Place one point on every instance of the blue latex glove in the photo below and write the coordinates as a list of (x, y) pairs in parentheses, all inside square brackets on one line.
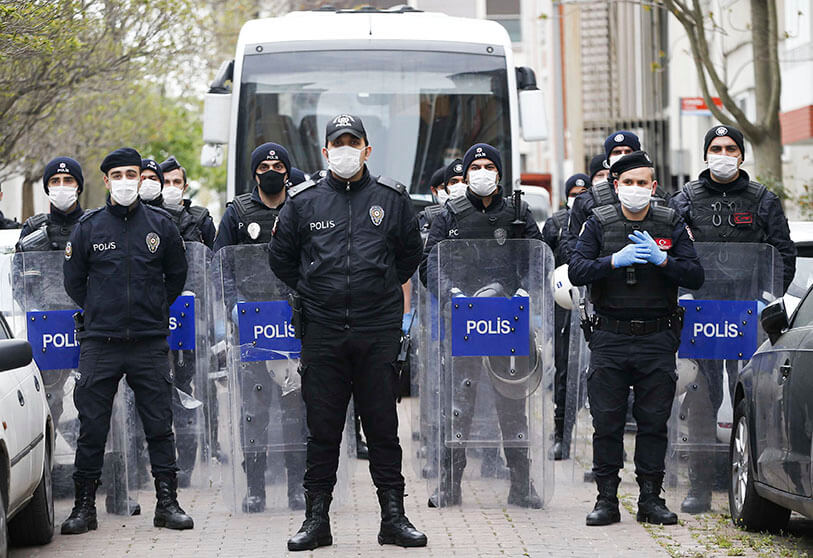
[(630, 254), (406, 322), (643, 238)]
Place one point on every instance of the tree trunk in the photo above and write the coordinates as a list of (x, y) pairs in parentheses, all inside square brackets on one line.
[(27, 195), (768, 158)]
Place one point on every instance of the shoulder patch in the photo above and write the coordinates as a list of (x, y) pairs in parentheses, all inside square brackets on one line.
[(299, 188), (89, 213), (390, 183)]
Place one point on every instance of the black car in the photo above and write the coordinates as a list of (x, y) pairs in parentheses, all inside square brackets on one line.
[(771, 454)]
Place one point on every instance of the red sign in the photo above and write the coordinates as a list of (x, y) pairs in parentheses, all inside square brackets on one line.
[(743, 218), (697, 105)]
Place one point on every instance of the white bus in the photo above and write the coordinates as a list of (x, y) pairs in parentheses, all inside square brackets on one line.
[(426, 85)]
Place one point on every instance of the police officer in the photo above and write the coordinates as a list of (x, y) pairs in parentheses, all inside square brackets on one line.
[(250, 219), (635, 332), (449, 182), (175, 177), (113, 252), (483, 213), (346, 244), (725, 205), (63, 182), (598, 172), (152, 182), (553, 235)]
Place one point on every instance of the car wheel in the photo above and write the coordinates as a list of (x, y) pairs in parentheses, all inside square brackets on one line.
[(34, 525), (748, 509)]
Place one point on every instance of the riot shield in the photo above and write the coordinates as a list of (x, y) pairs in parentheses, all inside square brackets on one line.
[(190, 359), (720, 333), (43, 313), (489, 373), (264, 430), (578, 421)]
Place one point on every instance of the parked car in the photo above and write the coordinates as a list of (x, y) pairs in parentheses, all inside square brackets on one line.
[(26, 447), (538, 199), (801, 233), (770, 449)]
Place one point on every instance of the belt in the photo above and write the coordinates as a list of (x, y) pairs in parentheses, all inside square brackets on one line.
[(636, 327)]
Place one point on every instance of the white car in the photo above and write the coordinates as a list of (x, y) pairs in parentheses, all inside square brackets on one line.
[(539, 201), (801, 233), (26, 447)]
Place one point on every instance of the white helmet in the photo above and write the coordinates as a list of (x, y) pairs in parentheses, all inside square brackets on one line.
[(562, 288)]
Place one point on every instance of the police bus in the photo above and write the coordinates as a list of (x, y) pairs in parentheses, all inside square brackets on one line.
[(426, 85)]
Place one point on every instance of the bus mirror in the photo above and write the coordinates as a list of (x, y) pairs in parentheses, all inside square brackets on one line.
[(532, 115), (211, 155), (216, 112)]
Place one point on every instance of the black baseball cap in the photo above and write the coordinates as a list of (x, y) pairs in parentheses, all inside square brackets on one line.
[(345, 124)]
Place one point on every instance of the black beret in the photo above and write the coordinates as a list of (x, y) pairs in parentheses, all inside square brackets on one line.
[(720, 131), (634, 160), (170, 164), (579, 180), (270, 151), (123, 157), (455, 168), (153, 166), (621, 137), (596, 165), (479, 151), (436, 180), (63, 165)]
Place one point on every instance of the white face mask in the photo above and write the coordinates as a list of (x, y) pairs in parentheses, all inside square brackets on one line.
[(62, 197), (570, 201), (150, 189), (483, 181), (344, 161), (124, 191), (172, 195), (457, 190), (441, 196), (723, 166), (634, 198)]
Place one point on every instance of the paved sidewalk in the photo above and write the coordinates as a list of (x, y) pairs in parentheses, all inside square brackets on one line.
[(558, 530)]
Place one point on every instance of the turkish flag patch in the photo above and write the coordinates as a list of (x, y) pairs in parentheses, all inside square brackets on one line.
[(664, 243), (743, 218)]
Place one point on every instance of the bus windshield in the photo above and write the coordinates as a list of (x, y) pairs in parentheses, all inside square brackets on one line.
[(421, 109)]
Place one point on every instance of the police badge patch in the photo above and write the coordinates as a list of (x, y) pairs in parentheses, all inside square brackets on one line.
[(153, 240), (253, 230), (500, 235), (68, 250), (376, 214)]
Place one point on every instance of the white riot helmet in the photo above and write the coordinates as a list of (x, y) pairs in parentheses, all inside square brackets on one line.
[(562, 288)]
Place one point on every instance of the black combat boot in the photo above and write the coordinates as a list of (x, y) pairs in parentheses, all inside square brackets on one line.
[(315, 530), (168, 513), (651, 507), (560, 450), (395, 527), (522, 492), (698, 500), (605, 511), (83, 515), (452, 464), (255, 464)]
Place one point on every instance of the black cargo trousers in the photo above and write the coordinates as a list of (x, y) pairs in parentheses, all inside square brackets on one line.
[(336, 363), (102, 364)]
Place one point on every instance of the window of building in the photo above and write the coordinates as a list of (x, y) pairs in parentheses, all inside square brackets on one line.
[(507, 14)]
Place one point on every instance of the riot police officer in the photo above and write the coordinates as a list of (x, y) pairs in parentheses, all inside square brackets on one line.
[(113, 252), (635, 331), (63, 182), (152, 182), (483, 213), (346, 244), (553, 235), (598, 172), (175, 177), (725, 205), (249, 219), (450, 183)]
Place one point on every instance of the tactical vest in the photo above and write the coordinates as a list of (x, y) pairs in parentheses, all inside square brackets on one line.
[(475, 224), (58, 234), (199, 214), (560, 219), (429, 213), (725, 216), (186, 224), (256, 220), (650, 290)]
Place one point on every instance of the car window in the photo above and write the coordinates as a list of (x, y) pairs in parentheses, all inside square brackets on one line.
[(804, 313), (4, 329)]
